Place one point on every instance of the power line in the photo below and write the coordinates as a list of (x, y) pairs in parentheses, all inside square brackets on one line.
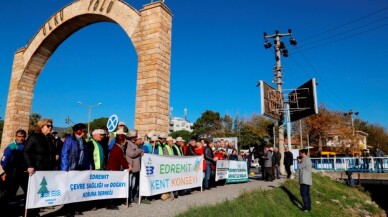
[(344, 38), (345, 24), (344, 32)]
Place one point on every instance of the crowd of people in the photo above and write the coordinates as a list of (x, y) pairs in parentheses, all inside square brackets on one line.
[(44, 150)]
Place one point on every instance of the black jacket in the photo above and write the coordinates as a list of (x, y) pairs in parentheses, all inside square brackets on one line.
[(39, 152), (209, 157), (288, 158)]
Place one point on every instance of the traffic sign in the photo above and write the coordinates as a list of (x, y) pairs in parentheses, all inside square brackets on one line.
[(112, 123)]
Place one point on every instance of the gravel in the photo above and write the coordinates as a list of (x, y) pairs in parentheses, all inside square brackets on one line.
[(172, 207)]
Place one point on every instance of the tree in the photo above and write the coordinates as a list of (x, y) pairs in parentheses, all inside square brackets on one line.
[(254, 130), (209, 125), (377, 135), (323, 124), (34, 118), (43, 187), (227, 126), (186, 135), (99, 123)]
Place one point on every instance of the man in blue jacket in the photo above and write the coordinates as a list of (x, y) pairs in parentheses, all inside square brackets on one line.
[(14, 166), (75, 156)]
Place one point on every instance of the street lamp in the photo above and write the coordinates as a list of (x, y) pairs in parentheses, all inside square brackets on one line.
[(89, 107)]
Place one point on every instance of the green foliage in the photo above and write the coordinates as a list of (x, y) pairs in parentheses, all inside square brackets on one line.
[(329, 198), (186, 135), (208, 125), (34, 118), (377, 135), (99, 123)]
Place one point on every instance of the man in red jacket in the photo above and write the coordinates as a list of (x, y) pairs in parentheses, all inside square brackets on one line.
[(117, 160)]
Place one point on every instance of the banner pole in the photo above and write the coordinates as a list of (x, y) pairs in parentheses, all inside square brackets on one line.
[(202, 173), (28, 190), (129, 185)]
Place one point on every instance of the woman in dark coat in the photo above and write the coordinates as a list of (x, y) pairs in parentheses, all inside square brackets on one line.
[(40, 151)]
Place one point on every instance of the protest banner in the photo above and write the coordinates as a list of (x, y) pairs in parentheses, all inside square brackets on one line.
[(237, 172), (222, 167), (160, 174), (49, 188)]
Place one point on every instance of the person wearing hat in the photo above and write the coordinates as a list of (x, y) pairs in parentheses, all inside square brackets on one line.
[(133, 155), (112, 140), (167, 150), (96, 150), (161, 143), (180, 143), (116, 159), (147, 147), (177, 148), (75, 156), (154, 149)]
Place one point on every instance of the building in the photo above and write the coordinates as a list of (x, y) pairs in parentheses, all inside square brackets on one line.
[(177, 124)]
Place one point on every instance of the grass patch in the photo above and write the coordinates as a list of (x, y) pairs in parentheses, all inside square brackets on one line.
[(329, 198)]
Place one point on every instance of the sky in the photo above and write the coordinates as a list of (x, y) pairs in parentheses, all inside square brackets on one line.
[(217, 58)]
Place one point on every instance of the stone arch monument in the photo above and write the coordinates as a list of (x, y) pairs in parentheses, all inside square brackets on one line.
[(150, 32)]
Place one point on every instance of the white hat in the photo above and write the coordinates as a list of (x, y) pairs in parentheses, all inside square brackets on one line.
[(120, 132), (154, 138), (98, 131), (162, 136), (179, 139), (121, 123), (132, 133), (150, 134), (168, 138)]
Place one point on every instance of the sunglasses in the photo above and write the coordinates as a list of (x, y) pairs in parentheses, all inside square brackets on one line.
[(49, 125)]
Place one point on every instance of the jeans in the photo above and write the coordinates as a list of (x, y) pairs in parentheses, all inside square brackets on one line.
[(134, 185), (277, 171), (207, 174), (305, 193)]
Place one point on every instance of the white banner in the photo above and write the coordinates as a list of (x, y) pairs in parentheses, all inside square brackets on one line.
[(232, 171), (222, 169), (49, 188), (160, 174), (237, 172)]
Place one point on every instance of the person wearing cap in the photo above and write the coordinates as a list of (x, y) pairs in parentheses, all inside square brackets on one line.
[(181, 145), (96, 150), (154, 148), (161, 143), (133, 155), (116, 159), (191, 148), (75, 156), (176, 147), (147, 147), (167, 150), (112, 140)]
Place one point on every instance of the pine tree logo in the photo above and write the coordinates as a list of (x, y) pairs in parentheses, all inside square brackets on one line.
[(43, 191)]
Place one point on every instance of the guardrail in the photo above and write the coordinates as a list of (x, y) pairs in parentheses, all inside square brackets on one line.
[(354, 164)]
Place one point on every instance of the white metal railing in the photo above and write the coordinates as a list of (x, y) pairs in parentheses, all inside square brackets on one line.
[(355, 164)]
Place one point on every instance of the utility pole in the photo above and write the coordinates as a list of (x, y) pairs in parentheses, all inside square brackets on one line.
[(280, 49), (350, 112)]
